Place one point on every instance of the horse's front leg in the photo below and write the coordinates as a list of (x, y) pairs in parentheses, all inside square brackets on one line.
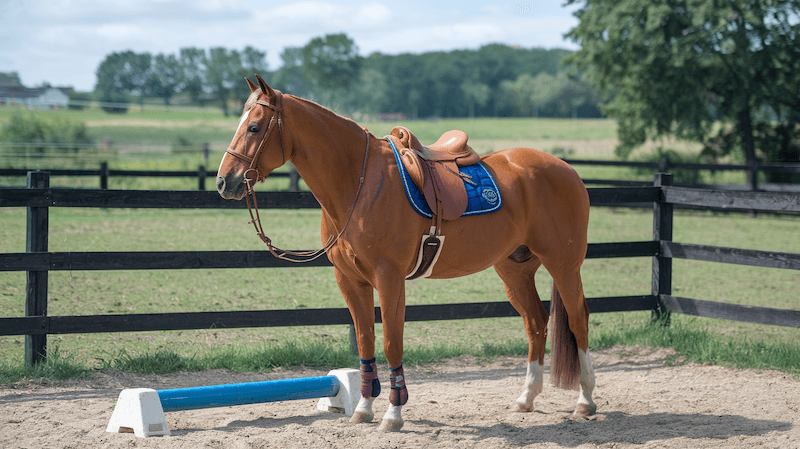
[(392, 293), (358, 296)]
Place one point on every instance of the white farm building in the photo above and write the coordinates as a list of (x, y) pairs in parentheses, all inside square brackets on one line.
[(37, 98)]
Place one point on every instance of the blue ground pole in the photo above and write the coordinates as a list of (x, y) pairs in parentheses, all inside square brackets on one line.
[(248, 393)]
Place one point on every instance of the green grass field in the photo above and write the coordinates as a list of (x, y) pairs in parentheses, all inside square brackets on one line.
[(119, 292), (144, 139)]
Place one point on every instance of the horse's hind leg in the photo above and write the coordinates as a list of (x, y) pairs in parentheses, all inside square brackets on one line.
[(570, 315), (517, 273)]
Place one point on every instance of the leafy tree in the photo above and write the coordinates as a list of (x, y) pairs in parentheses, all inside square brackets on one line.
[(433, 83), (190, 60), (121, 74), (476, 94), (112, 84), (222, 68), (225, 69), (703, 70), (332, 61), (371, 93), (164, 77), (291, 77), (253, 61), (519, 94), (9, 78)]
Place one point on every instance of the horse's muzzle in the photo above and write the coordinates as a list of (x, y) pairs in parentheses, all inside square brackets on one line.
[(231, 187)]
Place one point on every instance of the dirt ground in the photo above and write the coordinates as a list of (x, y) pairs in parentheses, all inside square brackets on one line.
[(642, 402)]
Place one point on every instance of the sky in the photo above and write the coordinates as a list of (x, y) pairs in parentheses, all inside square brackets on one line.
[(64, 41)]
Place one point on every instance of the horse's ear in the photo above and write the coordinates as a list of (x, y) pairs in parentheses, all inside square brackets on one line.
[(252, 85), (264, 88)]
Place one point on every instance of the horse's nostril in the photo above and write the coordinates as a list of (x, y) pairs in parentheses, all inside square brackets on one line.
[(220, 183)]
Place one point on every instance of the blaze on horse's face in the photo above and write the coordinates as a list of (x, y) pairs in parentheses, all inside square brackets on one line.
[(250, 134)]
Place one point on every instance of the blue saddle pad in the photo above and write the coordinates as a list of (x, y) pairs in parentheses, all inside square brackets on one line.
[(483, 197)]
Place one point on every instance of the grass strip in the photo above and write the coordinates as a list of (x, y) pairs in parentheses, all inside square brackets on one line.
[(59, 365), (693, 343)]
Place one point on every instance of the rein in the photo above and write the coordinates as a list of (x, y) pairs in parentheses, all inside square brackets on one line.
[(255, 218)]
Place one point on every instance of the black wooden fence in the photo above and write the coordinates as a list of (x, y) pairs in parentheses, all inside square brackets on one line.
[(37, 261), (104, 173)]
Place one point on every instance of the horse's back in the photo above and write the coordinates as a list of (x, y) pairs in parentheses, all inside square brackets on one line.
[(537, 173)]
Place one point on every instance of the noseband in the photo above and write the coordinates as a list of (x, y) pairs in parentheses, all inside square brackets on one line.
[(252, 176)]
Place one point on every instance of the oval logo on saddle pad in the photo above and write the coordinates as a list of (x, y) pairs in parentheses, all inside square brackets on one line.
[(489, 195)]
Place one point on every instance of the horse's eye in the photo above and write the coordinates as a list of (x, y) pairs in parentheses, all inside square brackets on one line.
[(253, 128)]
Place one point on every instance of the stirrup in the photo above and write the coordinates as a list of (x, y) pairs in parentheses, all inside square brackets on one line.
[(429, 250)]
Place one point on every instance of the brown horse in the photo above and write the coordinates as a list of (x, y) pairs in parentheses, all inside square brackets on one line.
[(372, 236)]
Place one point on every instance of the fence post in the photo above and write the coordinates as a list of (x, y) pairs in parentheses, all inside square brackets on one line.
[(662, 231), (104, 173), (754, 169), (664, 165), (201, 177), (294, 179), (36, 290)]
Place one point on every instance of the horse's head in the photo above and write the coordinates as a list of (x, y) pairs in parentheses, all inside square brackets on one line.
[(257, 147)]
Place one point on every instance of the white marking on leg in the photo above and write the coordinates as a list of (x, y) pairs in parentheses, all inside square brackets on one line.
[(365, 406), (394, 413), (393, 419), (586, 405), (534, 381)]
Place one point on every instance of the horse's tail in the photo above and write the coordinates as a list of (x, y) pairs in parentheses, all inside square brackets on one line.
[(565, 368)]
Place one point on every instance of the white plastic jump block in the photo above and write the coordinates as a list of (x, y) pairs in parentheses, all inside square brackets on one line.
[(138, 411), (141, 410), (346, 400)]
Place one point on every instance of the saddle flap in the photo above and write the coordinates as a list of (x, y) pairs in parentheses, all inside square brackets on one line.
[(443, 184)]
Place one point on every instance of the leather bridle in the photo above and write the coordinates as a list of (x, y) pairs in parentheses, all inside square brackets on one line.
[(255, 218)]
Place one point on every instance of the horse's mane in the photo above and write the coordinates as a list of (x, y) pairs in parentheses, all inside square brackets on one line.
[(251, 100), (326, 111)]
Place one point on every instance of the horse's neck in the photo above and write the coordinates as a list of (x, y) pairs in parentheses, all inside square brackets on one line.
[(328, 152)]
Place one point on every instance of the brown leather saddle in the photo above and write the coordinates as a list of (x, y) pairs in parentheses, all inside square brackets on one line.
[(434, 169)]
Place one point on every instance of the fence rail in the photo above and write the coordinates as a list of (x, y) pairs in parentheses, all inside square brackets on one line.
[(38, 262), (104, 173)]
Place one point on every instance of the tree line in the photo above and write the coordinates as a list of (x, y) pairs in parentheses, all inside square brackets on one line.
[(495, 80), (217, 72)]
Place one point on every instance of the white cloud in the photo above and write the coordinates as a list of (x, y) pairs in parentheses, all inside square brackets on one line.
[(63, 41)]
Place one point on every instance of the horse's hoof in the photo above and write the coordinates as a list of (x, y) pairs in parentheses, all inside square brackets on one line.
[(584, 410), (359, 417), (523, 407), (390, 425)]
